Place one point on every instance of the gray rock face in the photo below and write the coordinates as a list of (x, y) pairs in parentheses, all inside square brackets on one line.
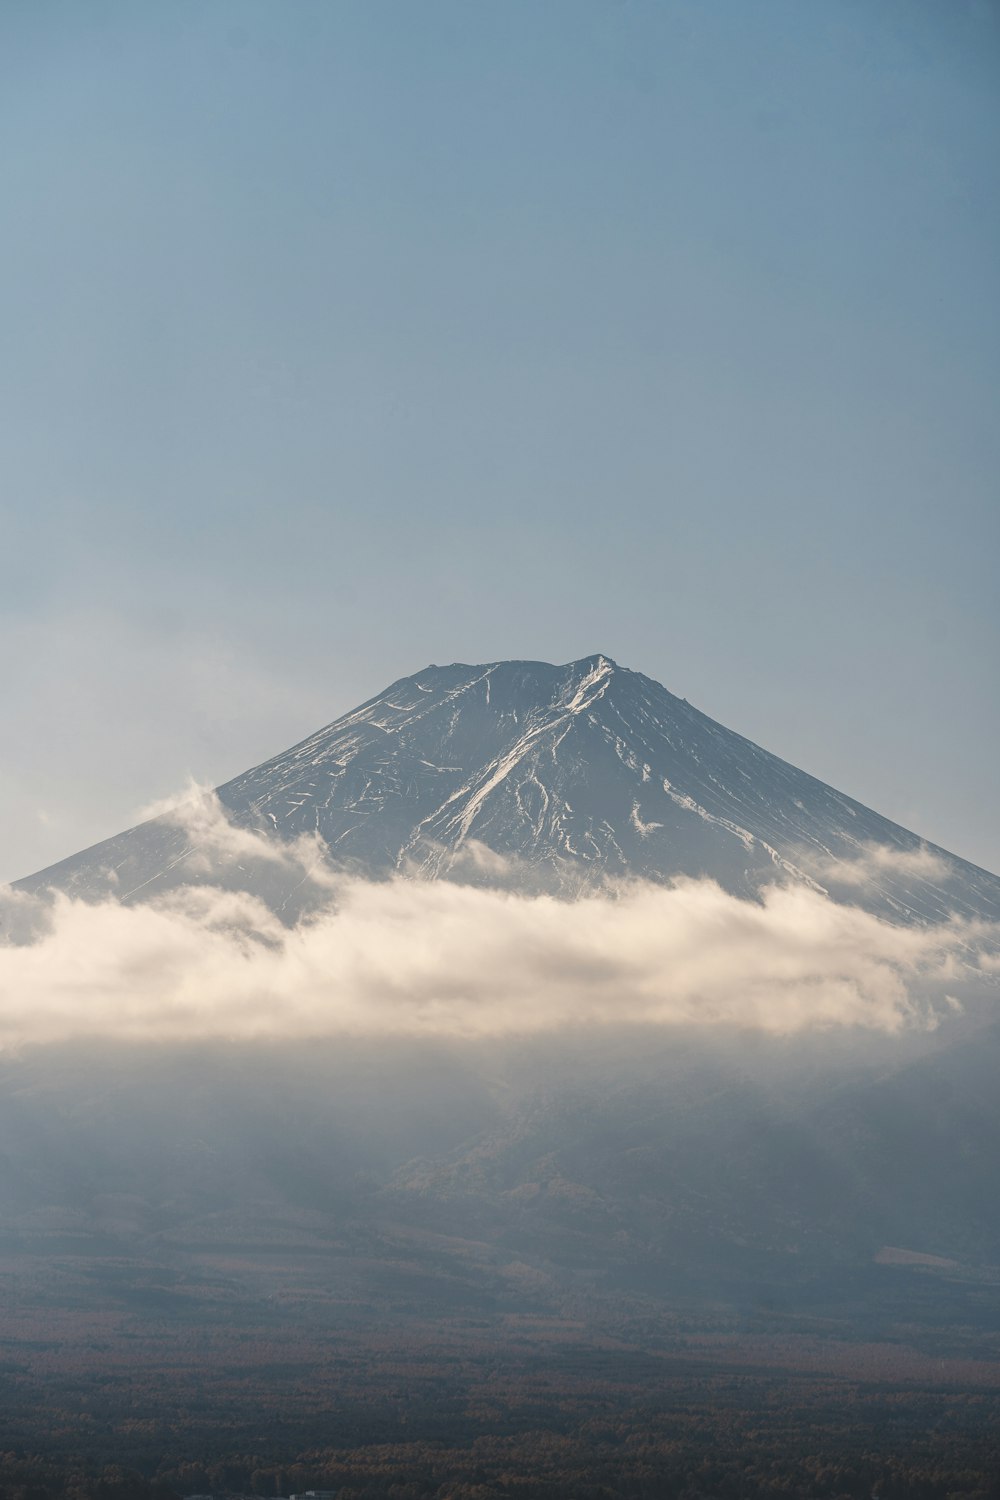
[(575, 773)]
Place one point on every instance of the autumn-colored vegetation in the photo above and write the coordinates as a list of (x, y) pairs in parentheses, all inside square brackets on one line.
[(467, 1412)]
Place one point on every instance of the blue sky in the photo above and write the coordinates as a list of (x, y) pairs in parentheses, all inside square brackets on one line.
[(344, 337)]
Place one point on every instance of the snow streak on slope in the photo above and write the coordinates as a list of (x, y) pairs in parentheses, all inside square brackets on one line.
[(578, 773)]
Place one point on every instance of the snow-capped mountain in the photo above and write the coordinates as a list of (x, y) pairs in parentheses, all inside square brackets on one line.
[(633, 1164), (574, 772)]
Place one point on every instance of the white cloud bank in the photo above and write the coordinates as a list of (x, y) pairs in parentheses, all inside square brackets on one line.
[(413, 957)]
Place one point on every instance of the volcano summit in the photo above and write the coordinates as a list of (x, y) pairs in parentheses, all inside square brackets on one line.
[(576, 773)]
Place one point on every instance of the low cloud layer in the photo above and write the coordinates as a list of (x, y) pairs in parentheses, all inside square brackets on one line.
[(442, 958)]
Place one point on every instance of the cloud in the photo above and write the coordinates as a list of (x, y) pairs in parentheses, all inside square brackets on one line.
[(410, 957), (217, 842), (872, 861)]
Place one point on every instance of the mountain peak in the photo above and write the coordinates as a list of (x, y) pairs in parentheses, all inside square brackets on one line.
[(576, 772), (598, 662), (588, 681)]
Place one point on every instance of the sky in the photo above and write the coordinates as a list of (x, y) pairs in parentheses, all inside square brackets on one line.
[(341, 338)]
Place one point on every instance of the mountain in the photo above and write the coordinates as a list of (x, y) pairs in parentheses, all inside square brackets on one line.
[(576, 773), (639, 1184)]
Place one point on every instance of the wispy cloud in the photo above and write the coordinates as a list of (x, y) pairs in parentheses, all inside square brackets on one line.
[(871, 862), (192, 694), (217, 842), (412, 957)]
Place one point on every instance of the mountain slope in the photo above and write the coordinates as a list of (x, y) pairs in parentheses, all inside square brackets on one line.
[(576, 772)]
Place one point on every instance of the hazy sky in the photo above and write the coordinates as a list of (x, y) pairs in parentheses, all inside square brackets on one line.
[(339, 338)]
